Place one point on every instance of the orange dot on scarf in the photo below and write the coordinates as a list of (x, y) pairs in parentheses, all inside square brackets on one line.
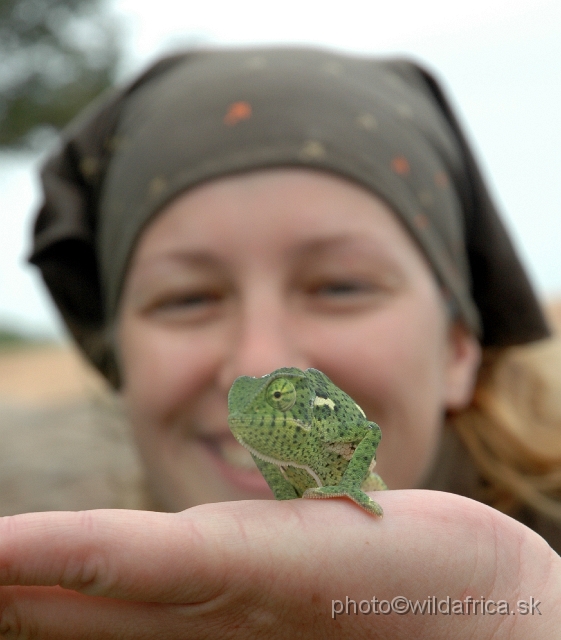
[(400, 165), (441, 179), (421, 221), (237, 111)]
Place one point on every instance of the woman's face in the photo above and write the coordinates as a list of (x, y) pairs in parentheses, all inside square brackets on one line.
[(281, 268)]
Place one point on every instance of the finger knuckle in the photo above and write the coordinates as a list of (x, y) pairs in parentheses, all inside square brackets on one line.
[(14, 624), (89, 575)]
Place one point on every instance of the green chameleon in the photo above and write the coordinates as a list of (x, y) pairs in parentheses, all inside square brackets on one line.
[(308, 438)]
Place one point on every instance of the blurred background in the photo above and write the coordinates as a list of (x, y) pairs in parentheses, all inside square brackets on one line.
[(499, 59), (64, 441)]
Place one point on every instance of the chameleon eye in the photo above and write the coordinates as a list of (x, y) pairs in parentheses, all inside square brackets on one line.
[(281, 394)]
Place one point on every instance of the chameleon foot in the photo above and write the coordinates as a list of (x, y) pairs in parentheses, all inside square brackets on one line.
[(356, 495)]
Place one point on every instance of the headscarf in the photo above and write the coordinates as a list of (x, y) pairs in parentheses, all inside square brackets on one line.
[(382, 123)]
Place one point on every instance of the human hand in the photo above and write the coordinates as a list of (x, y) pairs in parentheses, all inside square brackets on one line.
[(272, 569)]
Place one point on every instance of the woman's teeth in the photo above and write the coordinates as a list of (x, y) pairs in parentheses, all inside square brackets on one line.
[(235, 455)]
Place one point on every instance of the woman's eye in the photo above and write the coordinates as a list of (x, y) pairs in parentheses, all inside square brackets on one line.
[(196, 306), (185, 300), (340, 288), (345, 296), (193, 300), (344, 288)]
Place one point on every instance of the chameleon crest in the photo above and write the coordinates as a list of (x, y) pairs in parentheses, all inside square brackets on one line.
[(308, 437)]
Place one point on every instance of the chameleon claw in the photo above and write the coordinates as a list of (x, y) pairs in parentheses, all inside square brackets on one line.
[(357, 496)]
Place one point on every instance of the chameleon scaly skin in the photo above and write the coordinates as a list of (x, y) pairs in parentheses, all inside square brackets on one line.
[(308, 437)]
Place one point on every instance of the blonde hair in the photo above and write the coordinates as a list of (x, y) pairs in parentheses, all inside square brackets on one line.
[(512, 429)]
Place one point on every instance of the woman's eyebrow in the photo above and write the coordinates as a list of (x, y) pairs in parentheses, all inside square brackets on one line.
[(348, 243), (176, 264), (183, 257)]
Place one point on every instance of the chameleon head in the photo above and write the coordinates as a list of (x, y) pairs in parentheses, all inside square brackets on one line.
[(267, 414)]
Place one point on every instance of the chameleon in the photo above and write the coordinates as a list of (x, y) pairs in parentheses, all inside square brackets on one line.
[(308, 438)]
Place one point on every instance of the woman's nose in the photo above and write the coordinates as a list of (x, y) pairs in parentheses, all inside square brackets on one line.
[(264, 339)]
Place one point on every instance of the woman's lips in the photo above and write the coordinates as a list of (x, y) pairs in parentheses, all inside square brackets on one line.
[(235, 463)]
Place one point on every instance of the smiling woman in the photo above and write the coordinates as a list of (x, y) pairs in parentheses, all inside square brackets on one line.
[(233, 212), (329, 279)]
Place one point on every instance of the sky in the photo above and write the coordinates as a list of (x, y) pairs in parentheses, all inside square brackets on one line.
[(499, 60)]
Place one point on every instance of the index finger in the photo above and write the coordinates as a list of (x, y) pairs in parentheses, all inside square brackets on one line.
[(254, 546), (136, 555)]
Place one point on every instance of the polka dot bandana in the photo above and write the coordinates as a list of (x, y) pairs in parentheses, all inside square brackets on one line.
[(384, 124)]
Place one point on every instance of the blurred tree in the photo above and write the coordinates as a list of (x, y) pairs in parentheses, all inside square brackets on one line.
[(55, 56), (11, 339)]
